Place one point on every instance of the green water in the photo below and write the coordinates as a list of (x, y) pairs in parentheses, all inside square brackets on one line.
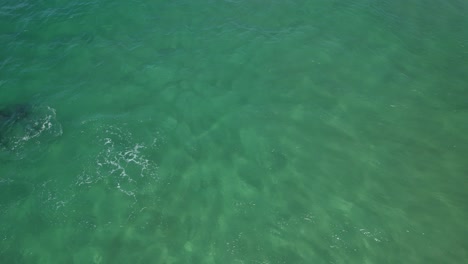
[(242, 131)]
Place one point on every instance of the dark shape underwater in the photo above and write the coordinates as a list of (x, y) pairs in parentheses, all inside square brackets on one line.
[(26, 130), (14, 113), (12, 116)]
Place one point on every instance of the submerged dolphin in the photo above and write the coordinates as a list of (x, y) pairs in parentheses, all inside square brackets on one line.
[(9, 116), (14, 113)]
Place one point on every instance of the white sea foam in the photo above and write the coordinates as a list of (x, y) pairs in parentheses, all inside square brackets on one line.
[(121, 163)]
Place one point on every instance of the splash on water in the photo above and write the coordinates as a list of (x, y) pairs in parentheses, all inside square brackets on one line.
[(122, 163)]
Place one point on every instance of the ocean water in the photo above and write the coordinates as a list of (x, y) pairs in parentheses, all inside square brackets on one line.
[(241, 131)]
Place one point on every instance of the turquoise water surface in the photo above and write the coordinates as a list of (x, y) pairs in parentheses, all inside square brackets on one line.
[(241, 131)]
